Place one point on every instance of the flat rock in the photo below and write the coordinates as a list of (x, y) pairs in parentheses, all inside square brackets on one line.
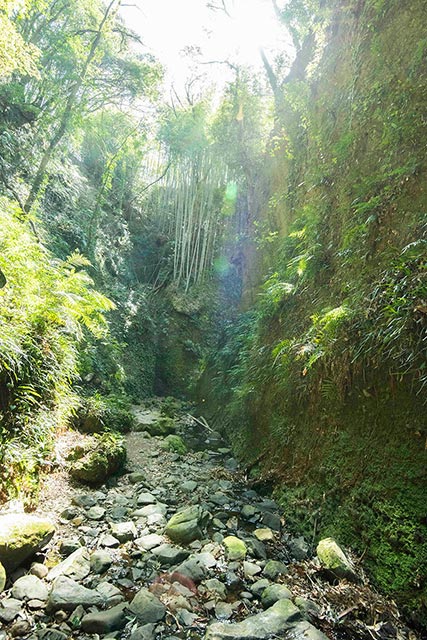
[(149, 541), (96, 513), (76, 566), (105, 621), (264, 534), (272, 622), (146, 607), (185, 525), (30, 587), (21, 536), (67, 594), (146, 498), (123, 531), (169, 555)]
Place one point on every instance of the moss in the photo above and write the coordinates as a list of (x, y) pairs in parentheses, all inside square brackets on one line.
[(175, 443)]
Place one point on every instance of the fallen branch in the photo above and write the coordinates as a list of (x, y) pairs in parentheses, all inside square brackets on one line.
[(202, 422)]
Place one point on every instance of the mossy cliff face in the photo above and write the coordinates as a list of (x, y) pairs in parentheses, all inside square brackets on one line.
[(325, 379)]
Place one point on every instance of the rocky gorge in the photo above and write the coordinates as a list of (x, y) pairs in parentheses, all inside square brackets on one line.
[(179, 545)]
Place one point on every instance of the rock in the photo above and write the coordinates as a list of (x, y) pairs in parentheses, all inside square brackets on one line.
[(272, 521), (29, 587), (68, 546), (185, 525), (273, 569), (256, 548), (272, 622), (307, 607), (149, 541), (10, 609), (305, 631), (215, 586), (100, 561), (76, 566), (333, 558), (298, 548), (2, 577), (136, 477), (193, 568), (264, 534), (146, 632), (39, 570), (69, 513), (273, 593), (21, 536), (107, 540), (248, 511), (67, 594), (105, 621), (169, 555), (20, 628), (250, 569), (163, 426), (51, 634), (105, 457), (123, 531), (96, 513), (175, 444), (146, 607), (84, 500), (189, 486), (146, 498), (235, 549), (223, 610), (258, 587), (110, 593)]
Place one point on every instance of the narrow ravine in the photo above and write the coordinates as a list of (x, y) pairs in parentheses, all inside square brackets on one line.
[(180, 546)]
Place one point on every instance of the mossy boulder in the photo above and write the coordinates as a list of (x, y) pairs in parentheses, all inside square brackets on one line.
[(334, 560), (98, 460), (2, 577), (175, 444), (98, 413), (21, 536), (185, 525), (235, 549)]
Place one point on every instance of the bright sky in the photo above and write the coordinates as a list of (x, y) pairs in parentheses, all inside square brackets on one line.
[(168, 26)]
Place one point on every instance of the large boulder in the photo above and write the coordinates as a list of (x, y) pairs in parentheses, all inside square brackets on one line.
[(334, 560), (21, 536), (98, 460), (270, 623), (185, 526)]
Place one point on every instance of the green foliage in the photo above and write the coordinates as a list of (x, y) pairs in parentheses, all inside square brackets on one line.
[(99, 413), (46, 306)]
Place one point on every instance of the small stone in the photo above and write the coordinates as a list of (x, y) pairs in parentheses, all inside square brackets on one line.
[(272, 521), (189, 486), (107, 540), (149, 541), (248, 511), (110, 593), (264, 535), (146, 498), (274, 568), (235, 548), (185, 525), (215, 586), (136, 477), (39, 570), (105, 621), (223, 610), (20, 628), (298, 548), (51, 634), (29, 587), (123, 531), (146, 607), (307, 607), (305, 631), (169, 555), (100, 561), (2, 577), (258, 587), (250, 569), (146, 632), (69, 513), (273, 593), (68, 546), (96, 513), (35, 604), (84, 500)]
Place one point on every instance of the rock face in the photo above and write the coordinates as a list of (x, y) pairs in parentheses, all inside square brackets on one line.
[(21, 536), (185, 525), (272, 622), (334, 559)]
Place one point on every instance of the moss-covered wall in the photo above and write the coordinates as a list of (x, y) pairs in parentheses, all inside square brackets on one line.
[(325, 379)]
